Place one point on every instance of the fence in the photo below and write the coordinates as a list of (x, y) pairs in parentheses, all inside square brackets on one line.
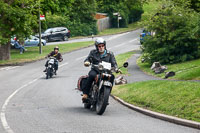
[(103, 24)]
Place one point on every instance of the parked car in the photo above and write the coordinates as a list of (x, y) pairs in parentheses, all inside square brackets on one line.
[(143, 34), (57, 33), (31, 41), (34, 41)]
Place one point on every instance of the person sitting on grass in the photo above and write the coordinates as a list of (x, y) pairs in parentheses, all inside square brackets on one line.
[(17, 45)]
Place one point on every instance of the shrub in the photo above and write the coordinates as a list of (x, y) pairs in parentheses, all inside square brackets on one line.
[(176, 36), (76, 27)]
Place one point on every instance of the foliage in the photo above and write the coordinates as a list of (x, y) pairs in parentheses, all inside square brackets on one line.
[(193, 4), (79, 20), (16, 18), (176, 36), (129, 10)]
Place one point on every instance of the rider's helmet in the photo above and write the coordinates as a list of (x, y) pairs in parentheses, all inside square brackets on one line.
[(56, 48), (99, 41)]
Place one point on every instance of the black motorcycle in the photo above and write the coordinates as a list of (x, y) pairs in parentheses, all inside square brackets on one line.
[(101, 88), (51, 67)]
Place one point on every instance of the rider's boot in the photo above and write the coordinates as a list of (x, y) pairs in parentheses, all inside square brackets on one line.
[(45, 70), (55, 72), (84, 97)]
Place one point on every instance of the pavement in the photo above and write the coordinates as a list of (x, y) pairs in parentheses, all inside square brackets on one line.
[(136, 75)]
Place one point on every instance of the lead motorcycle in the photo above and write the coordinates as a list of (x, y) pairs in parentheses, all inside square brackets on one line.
[(101, 88), (51, 67)]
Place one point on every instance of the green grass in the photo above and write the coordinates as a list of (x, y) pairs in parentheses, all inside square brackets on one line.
[(149, 9), (123, 58), (176, 98), (32, 53), (110, 31), (189, 70)]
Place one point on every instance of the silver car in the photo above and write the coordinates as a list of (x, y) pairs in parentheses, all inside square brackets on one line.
[(34, 41), (31, 41)]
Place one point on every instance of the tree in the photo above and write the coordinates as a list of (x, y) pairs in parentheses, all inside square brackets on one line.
[(16, 18), (130, 10), (176, 36)]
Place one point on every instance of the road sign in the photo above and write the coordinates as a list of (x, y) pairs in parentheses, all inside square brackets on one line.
[(42, 17), (116, 13), (119, 17)]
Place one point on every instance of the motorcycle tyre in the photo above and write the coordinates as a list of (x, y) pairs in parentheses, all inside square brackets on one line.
[(102, 107), (51, 73), (48, 73)]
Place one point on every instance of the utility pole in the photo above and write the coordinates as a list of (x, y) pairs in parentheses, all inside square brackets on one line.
[(118, 18), (40, 46)]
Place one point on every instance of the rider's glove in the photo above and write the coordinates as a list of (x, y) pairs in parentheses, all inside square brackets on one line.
[(60, 60), (87, 63), (118, 70)]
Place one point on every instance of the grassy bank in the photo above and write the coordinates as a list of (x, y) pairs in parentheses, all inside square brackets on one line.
[(32, 53), (189, 70), (176, 98)]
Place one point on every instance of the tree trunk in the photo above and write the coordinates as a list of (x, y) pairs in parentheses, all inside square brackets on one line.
[(5, 52)]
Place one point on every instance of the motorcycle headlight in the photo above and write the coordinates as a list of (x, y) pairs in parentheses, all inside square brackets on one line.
[(100, 67)]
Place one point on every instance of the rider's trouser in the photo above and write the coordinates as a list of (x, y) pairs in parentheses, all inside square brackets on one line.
[(92, 74)]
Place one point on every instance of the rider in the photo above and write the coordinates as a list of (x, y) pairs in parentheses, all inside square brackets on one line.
[(100, 54), (57, 55)]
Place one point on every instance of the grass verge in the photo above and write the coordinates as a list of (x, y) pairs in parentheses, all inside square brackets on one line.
[(176, 98), (189, 70), (32, 53), (121, 59)]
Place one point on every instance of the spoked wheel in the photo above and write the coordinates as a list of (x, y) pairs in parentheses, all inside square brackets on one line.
[(51, 73), (48, 73), (102, 100)]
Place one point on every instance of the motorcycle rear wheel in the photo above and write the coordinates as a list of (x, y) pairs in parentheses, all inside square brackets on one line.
[(103, 100)]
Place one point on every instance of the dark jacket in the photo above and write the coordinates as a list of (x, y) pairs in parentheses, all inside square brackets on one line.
[(95, 57), (58, 56)]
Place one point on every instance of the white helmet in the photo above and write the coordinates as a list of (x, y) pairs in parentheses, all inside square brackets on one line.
[(99, 41)]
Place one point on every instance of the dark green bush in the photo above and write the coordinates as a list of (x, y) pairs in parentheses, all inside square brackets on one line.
[(176, 36), (76, 27)]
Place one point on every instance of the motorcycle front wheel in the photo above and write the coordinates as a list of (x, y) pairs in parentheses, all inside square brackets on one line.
[(48, 73), (103, 100)]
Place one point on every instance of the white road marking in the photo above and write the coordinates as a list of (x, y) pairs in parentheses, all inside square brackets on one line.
[(63, 64), (3, 109), (133, 40), (8, 68), (113, 37), (119, 45)]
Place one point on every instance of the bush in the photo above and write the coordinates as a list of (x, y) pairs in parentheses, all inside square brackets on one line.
[(176, 36), (76, 27)]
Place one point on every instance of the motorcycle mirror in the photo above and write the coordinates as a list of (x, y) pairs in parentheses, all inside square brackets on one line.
[(125, 64)]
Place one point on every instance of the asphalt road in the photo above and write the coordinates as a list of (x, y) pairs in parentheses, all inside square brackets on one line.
[(31, 104)]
